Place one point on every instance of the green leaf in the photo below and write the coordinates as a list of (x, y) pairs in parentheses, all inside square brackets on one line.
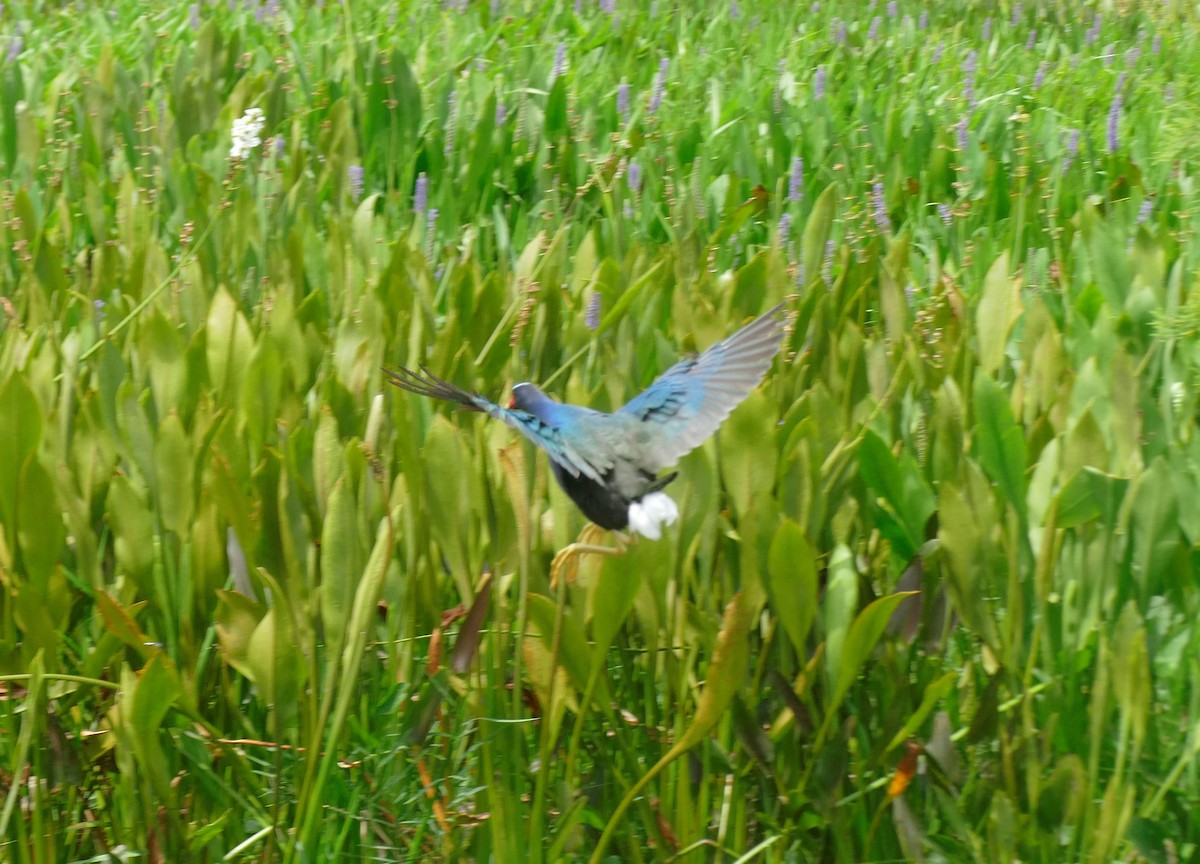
[(817, 231), (999, 442), (860, 641), (747, 466), (40, 529), (341, 563), (999, 308), (227, 346), (21, 419), (446, 491), (900, 483), (1062, 797), (935, 691), (1077, 502), (726, 671), (133, 529), (1156, 532), (574, 653), (841, 601), (162, 351), (962, 523), (173, 472), (556, 110), (1131, 671), (792, 583), (146, 705)]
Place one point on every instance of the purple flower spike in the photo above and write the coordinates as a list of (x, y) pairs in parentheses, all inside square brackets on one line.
[(1114, 115), (421, 193), (623, 101), (1072, 148), (560, 62), (592, 316), (819, 83), (796, 180), (354, 174), (968, 67), (879, 209), (660, 85), (1039, 77)]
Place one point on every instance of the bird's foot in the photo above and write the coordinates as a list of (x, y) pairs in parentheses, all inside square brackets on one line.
[(566, 562)]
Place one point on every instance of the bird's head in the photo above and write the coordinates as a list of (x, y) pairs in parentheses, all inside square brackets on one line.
[(527, 397)]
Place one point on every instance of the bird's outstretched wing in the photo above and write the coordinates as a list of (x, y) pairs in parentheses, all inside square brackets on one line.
[(549, 438), (688, 402)]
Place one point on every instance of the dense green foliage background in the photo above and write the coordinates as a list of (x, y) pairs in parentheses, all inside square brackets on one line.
[(934, 591)]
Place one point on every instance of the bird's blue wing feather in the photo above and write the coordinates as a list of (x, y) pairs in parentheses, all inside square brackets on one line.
[(544, 434), (687, 403)]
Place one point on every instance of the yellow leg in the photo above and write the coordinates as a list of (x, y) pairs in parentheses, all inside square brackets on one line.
[(588, 543)]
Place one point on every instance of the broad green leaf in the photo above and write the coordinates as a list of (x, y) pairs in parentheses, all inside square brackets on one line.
[(146, 704), (900, 483), (133, 529), (1077, 502), (162, 349), (792, 583), (818, 230), (1085, 447), (174, 470), (40, 529), (861, 640), (964, 524), (1131, 679), (1062, 797), (841, 602), (21, 419), (1156, 531), (446, 490), (999, 308), (747, 466), (228, 345), (935, 691), (999, 442), (341, 563), (574, 653), (726, 673), (327, 458)]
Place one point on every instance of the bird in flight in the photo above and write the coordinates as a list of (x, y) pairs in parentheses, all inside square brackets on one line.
[(609, 464)]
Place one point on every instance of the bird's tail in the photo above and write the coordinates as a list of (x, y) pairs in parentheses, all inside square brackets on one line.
[(659, 484), (425, 383)]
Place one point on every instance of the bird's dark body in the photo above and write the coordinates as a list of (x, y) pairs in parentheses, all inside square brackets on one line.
[(603, 502)]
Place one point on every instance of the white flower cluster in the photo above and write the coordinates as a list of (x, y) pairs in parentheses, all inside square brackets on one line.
[(246, 130)]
